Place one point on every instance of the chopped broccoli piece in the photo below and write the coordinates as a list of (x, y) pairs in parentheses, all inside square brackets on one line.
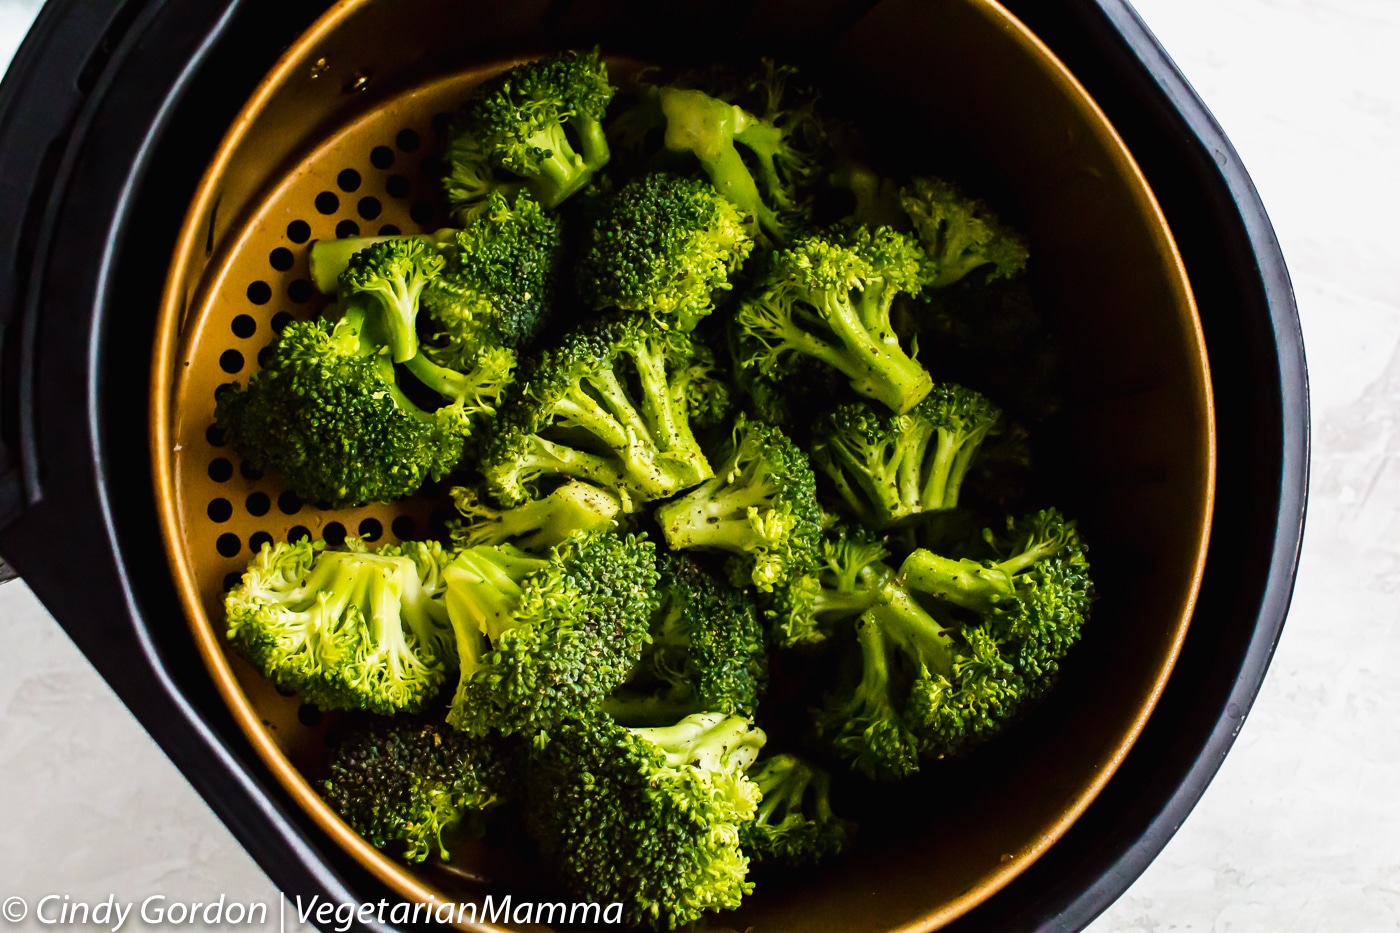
[(540, 123), (327, 413), (960, 234), (602, 408), (663, 244), (829, 298), (707, 652), (329, 625), (410, 781), (544, 638), (649, 818), (848, 579), (394, 272), (888, 468), (538, 524), (794, 824), (760, 505)]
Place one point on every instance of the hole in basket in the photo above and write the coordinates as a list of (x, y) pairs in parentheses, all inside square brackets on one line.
[(289, 502), (398, 186), (370, 208), (348, 180), (220, 470), (228, 545), (327, 202), (258, 504), (308, 715), (224, 389), (381, 157), (281, 259), (438, 523), (258, 539), (389, 230), (215, 436), (265, 356), (334, 533), (422, 213), (244, 325), (259, 293), (299, 290), (371, 529), (231, 580), (231, 361), (284, 691), (442, 123), (219, 510), (280, 320), (408, 140), (346, 229), (403, 528), (298, 532), (249, 471), (298, 231)]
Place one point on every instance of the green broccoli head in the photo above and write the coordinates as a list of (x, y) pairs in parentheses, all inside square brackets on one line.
[(650, 818), (394, 273), (960, 234), (888, 468), (663, 244), (412, 781), (540, 123), (325, 411), (603, 407), (498, 285), (829, 297), (849, 577), (545, 638), (707, 652), (538, 524), (329, 625), (794, 824), (760, 505)]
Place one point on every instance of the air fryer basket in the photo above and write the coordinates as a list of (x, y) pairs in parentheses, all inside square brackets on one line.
[(134, 121)]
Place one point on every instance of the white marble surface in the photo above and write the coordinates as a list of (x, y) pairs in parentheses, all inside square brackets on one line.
[(1299, 831)]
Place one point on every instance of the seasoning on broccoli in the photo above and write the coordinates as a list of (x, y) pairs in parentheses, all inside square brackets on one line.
[(849, 577), (535, 525)]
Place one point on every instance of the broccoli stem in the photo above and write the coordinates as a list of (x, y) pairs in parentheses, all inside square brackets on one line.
[(910, 453), (876, 369), (628, 707), (710, 741), (714, 515), (921, 636), (562, 171), (673, 432), (484, 586), (592, 141), (448, 383), (964, 583), (548, 457)]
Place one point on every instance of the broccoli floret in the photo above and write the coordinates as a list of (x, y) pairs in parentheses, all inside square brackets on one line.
[(327, 413), (329, 625), (829, 297), (794, 824), (888, 468), (394, 272), (410, 781), (543, 638), (875, 199), (540, 123), (707, 652), (602, 408), (498, 285), (663, 244), (960, 234), (760, 505), (850, 576), (538, 524), (649, 818)]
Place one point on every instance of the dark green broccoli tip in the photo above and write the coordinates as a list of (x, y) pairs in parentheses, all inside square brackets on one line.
[(649, 818), (603, 407), (327, 414), (330, 625), (499, 282), (794, 824), (960, 234), (850, 577), (538, 524), (829, 298), (413, 782), (540, 123), (663, 244), (394, 272), (760, 505), (545, 638), (888, 468), (707, 652)]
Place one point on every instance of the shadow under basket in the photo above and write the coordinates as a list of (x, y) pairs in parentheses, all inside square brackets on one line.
[(343, 138)]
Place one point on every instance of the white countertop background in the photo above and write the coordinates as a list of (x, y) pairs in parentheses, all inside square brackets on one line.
[(1301, 829)]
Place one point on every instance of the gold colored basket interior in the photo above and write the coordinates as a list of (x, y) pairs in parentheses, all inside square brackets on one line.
[(342, 138)]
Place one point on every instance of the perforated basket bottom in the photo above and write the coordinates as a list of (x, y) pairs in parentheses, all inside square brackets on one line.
[(377, 176)]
